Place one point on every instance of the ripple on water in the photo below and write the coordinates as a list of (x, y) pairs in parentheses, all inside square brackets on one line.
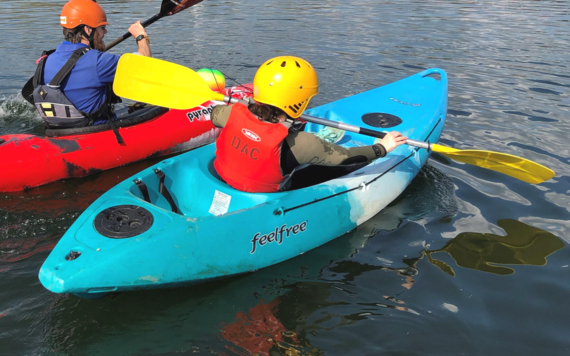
[(374, 290), (18, 116)]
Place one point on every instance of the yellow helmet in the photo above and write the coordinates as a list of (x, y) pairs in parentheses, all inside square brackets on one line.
[(286, 82)]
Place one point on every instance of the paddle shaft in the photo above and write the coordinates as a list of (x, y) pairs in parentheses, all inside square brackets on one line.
[(128, 34), (168, 7)]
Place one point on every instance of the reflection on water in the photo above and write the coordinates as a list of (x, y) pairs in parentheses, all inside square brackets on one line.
[(310, 309), (370, 291), (430, 196), (522, 245), (261, 332)]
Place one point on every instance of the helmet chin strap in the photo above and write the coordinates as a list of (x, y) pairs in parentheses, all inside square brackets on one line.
[(90, 38)]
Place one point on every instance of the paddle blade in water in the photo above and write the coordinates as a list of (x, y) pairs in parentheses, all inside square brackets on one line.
[(28, 91), (516, 167), (161, 83)]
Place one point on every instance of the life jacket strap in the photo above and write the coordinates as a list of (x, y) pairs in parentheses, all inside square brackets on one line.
[(116, 131), (39, 73), (67, 67)]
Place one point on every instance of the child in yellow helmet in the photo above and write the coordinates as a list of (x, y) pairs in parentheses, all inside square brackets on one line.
[(260, 147)]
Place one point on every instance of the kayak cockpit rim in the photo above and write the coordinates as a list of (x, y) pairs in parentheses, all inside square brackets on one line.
[(160, 189)]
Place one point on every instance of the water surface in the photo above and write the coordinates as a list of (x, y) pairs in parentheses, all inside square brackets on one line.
[(466, 262)]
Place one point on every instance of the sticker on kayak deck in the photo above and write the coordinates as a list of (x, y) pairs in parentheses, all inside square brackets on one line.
[(220, 204), (404, 103), (277, 235)]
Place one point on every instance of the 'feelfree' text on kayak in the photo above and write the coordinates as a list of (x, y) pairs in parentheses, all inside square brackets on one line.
[(277, 235)]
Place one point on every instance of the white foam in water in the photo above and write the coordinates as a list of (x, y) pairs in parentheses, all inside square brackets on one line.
[(2, 107), (452, 308), (18, 116)]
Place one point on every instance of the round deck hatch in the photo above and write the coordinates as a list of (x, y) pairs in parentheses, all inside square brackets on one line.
[(378, 119), (123, 221)]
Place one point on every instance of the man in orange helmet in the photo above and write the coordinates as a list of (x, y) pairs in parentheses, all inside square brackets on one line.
[(73, 83)]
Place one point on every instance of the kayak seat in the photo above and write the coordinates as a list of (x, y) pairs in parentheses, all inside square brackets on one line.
[(313, 174)]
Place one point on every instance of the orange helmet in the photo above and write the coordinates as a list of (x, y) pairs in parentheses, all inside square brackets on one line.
[(82, 12)]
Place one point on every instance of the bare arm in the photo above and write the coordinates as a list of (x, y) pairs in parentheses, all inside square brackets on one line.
[(136, 30)]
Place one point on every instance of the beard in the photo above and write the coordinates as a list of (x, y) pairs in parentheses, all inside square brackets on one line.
[(98, 42)]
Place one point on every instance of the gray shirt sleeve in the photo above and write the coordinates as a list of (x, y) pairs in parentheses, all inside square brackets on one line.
[(220, 115), (309, 149)]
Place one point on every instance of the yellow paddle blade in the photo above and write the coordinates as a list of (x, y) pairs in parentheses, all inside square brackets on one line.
[(516, 167), (161, 83)]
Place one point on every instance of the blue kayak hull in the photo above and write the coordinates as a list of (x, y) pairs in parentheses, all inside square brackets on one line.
[(221, 231)]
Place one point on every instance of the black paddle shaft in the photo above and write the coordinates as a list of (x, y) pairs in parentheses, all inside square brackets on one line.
[(168, 7), (128, 34)]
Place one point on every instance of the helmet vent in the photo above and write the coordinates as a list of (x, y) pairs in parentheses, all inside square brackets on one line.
[(296, 107), (284, 64), (269, 63), (298, 65)]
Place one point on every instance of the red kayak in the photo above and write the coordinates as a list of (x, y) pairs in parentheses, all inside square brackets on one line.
[(29, 161)]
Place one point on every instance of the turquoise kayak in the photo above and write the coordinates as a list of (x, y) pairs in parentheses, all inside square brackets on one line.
[(177, 222)]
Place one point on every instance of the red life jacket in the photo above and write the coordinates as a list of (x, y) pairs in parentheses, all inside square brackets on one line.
[(248, 152)]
